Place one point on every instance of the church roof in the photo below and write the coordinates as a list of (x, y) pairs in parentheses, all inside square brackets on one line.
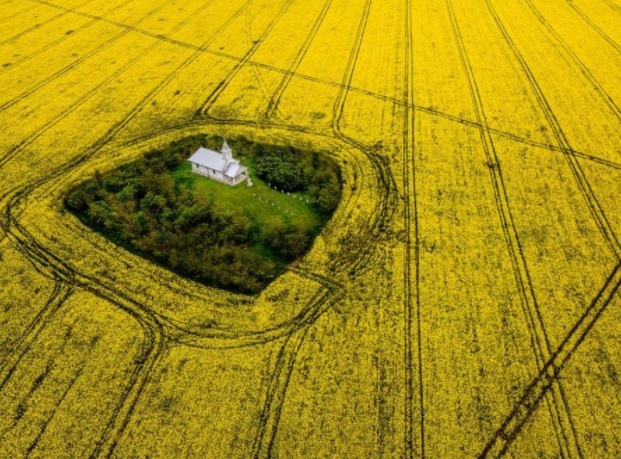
[(234, 169), (216, 161), (208, 158)]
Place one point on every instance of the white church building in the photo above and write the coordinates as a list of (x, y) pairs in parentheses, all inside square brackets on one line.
[(220, 166)]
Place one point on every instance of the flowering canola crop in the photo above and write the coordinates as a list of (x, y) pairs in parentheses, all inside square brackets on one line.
[(461, 302)]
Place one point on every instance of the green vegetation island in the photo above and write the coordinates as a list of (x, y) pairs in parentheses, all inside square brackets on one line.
[(238, 238)]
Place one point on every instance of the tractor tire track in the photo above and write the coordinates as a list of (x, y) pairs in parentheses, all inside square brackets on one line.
[(12, 152), (559, 408), (49, 418), (271, 112), (338, 264), (260, 65), (42, 24), (77, 62), (120, 124), (219, 89), (54, 262), (36, 383), (51, 44), (539, 387), (9, 18), (613, 5), (270, 416), (387, 192), (385, 174), (414, 419), (316, 306), (255, 71), (152, 346), (155, 344), (61, 292), (279, 381), (121, 417), (151, 327), (594, 26), (584, 186), (517, 138), (608, 100), (254, 64)]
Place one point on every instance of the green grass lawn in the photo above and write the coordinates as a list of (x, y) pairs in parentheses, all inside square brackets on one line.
[(261, 203)]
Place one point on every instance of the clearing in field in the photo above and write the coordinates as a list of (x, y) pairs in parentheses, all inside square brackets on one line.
[(446, 287), (182, 206)]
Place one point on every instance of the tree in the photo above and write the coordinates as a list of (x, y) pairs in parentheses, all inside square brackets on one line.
[(281, 169)]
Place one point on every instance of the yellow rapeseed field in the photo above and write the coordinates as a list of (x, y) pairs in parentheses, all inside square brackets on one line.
[(462, 301)]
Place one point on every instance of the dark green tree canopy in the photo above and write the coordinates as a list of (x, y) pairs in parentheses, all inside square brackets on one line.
[(141, 207)]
